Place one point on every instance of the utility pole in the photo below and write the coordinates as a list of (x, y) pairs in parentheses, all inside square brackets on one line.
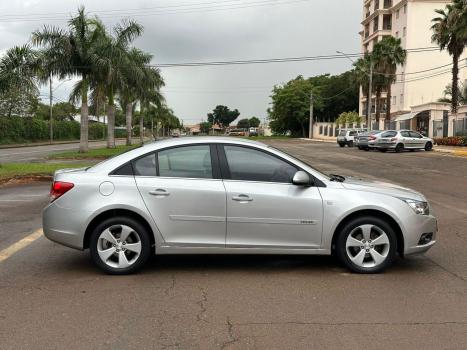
[(370, 93), (310, 131), (51, 110)]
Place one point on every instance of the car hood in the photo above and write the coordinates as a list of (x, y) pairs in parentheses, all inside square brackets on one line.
[(382, 187)]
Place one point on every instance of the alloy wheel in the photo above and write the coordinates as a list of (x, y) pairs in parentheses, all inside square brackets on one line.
[(119, 246), (367, 246)]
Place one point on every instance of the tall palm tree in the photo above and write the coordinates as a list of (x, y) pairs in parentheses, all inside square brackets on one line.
[(388, 54), (450, 33), (362, 74), (18, 79), (111, 57), (72, 49)]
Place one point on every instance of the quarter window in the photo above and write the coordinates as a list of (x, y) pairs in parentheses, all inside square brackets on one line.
[(187, 161), (252, 165), (145, 166)]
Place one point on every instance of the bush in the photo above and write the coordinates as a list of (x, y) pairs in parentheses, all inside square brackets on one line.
[(451, 141)]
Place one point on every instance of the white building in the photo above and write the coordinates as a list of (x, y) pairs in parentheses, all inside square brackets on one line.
[(426, 73)]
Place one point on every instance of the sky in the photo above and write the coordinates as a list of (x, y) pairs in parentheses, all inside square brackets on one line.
[(207, 30)]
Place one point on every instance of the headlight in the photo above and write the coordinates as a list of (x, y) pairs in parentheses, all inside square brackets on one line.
[(418, 207)]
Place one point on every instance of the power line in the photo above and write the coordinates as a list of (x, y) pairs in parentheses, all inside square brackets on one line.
[(143, 13)]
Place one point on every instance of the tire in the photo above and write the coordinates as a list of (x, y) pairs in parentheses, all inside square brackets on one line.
[(366, 148), (131, 260), (341, 144), (360, 148), (428, 146), (372, 258), (399, 148), (384, 150), (350, 143)]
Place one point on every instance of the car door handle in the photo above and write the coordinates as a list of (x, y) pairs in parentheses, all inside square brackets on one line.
[(159, 192), (242, 198)]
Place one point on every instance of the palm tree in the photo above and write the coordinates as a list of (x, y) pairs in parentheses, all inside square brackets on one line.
[(450, 33), (111, 57), (388, 54), (72, 50), (362, 74)]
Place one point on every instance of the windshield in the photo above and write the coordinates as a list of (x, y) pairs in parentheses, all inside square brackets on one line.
[(342, 133)]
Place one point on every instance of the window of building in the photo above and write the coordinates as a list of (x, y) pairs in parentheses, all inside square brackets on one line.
[(394, 100), (187, 161), (404, 31), (401, 99), (405, 8), (397, 34), (251, 165), (397, 14)]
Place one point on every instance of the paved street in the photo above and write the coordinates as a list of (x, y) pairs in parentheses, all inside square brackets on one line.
[(52, 297)]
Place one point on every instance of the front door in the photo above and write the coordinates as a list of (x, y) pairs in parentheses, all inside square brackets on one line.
[(184, 195), (264, 209)]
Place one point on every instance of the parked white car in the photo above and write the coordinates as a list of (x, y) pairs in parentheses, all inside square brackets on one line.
[(347, 137), (399, 140)]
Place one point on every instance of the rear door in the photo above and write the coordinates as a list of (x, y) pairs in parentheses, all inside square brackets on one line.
[(407, 139), (182, 190), (264, 208)]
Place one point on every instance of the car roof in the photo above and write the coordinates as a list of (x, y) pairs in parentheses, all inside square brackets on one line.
[(118, 160)]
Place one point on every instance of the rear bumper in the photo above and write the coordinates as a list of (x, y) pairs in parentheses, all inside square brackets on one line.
[(385, 145), (64, 226)]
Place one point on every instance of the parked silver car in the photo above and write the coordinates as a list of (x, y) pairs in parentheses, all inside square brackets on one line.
[(215, 195), (399, 140), (347, 137), (367, 140)]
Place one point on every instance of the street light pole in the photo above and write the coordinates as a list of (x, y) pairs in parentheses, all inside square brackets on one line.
[(51, 110), (310, 131), (370, 93)]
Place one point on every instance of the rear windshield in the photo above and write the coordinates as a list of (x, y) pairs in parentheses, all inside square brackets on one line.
[(342, 133)]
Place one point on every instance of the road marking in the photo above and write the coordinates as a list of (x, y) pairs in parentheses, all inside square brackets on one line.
[(22, 243)]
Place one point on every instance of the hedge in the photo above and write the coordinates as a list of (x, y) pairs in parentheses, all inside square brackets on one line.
[(451, 141), (23, 130)]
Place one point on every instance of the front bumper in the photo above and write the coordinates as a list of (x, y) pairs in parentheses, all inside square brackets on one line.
[(415, 228)]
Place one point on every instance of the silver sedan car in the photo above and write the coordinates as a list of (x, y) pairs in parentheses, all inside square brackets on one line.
[(400, 140), (214, 195)]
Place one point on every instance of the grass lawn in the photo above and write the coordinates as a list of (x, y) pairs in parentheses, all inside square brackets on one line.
[(97, 153), (10, 170)]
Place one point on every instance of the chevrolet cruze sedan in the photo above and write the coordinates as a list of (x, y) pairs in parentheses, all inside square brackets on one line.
[(214, 195)]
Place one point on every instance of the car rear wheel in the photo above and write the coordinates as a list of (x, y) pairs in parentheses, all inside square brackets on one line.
[(399, 147), (428, 146), (341, 144), (120, 245), (366, 245), (350, 143)]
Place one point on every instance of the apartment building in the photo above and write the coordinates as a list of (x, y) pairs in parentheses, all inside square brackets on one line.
[(421, 81)]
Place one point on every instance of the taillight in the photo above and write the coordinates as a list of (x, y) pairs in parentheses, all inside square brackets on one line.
[(372, 137), (59, 188)]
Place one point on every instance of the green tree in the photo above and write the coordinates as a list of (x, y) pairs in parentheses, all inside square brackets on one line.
[(72, 50), (254, 122), (450, 33), (204, 127), (243, 123), (223, 116), (448, 95), (18, 82), (388, 54)]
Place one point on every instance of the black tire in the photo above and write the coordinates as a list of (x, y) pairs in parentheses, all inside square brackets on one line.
[(399, 148), (341, 144), (428, 146), (143, 236), (350, 143), (360, 148), (341, 251), (384, 150)]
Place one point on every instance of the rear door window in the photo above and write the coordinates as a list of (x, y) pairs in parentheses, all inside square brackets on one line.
[(187, 161), (389, 134)]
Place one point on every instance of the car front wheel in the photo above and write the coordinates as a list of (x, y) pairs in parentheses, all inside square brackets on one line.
[(120, 245), (366, 245), (428, 146)]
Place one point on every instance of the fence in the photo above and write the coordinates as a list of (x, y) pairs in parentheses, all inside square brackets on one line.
[(460, 126)]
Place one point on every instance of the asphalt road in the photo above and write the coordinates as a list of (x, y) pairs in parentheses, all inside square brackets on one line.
[(38, 153), (52, 297)]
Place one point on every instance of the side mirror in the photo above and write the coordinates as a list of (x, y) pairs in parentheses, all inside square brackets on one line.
[(301, 178)]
